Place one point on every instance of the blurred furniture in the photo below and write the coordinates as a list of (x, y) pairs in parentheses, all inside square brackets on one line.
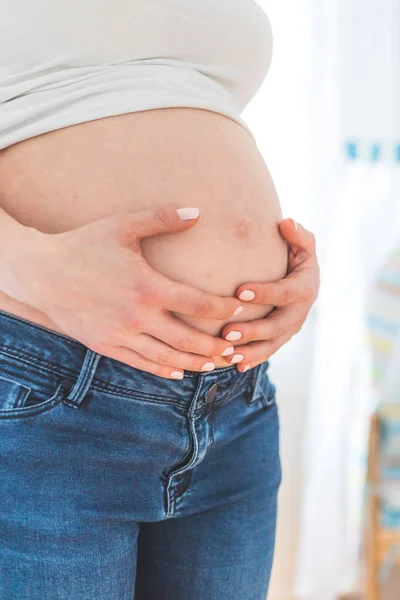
[(382, 526), (382, 523)]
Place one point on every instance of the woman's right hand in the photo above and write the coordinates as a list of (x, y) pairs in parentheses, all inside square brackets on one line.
[(95, 285)]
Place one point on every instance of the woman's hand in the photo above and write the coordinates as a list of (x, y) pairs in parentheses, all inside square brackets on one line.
[(95, 285), (292, 297)]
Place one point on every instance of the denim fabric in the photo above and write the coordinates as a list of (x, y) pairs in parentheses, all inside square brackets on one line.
[(120, 485)]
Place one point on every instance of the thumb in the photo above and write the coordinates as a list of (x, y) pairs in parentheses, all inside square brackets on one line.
[(159, 220), (297, 236)]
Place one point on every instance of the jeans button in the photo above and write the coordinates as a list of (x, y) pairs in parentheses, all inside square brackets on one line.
[(211, 393), (67, 384)]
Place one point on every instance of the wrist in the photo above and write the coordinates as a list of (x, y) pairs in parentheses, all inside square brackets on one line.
[(20, 259)]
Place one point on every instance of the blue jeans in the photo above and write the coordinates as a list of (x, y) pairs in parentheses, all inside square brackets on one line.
[(120, 485)]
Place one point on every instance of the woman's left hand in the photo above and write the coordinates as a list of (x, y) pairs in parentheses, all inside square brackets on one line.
[(293, 298)]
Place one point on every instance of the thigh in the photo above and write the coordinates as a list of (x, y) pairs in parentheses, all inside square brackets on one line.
[(58, 538), (219, 544), (224, 553), (75, 570)]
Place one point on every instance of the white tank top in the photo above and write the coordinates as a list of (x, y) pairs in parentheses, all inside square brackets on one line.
[(63, 62)]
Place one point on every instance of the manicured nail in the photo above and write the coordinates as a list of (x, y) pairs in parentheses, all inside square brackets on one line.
[(237, 358), (208, 366), (295, 224), (187, 214), (228, 351), (177, 375), (247, 367), (247, 295), (233, 336), (238, 311)]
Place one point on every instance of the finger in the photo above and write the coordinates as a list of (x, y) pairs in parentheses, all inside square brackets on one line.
[(162, 354), (160, 220), (181, 336), (294, 288), (135, 360), (187, 300), (257, 352), (298, 237), (280, 322)]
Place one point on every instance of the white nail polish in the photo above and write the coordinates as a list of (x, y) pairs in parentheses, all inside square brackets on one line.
[(233, 336), (238, 311), (208, 366), (187, 214), (247, 367), (237, 358), (176, 375), (247, 295), (228, 351)]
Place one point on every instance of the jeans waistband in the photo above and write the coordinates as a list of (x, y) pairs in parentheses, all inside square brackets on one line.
[(49, 350)]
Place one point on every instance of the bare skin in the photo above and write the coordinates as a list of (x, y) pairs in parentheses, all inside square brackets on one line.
[(70, 178)]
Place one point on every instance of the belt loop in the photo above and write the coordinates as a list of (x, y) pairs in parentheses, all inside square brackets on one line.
[(257, 379), (81, 386)]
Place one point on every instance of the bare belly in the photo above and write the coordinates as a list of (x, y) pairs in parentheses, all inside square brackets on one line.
[(178, 157)]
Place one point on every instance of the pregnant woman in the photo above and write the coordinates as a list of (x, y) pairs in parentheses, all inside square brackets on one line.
[(138, 427)]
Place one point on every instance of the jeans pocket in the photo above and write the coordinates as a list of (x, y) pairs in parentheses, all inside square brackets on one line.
[(12, 394), (263, 391), (20, 398)]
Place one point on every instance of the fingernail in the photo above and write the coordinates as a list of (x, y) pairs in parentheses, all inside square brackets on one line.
[(177, 375), (247, 367), (237, 358), (247, 295), (295, 224), (208, 366), (186, 214), (238, 311), (233, 336), (228, 351)]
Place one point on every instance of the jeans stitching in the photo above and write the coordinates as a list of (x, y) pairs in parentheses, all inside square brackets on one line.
[(100, 386), (37, 366), (31, 411), (211, 423), (27, 356)]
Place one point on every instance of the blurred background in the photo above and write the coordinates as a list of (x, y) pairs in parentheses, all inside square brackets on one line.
[(327, 121)]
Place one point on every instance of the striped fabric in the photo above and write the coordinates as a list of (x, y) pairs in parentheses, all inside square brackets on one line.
[(384, 334), (384, 328)]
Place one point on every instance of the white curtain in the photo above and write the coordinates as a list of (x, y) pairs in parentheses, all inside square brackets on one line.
[(355, 128)]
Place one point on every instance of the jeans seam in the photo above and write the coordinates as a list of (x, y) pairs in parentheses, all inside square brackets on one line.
[(45, 367), (210, 426), (37, 366), (99, 386), (123, 393), (13, 352), (190, 456), (32, 411)]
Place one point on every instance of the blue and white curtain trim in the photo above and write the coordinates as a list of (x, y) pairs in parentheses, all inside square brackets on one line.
[(374, 152)]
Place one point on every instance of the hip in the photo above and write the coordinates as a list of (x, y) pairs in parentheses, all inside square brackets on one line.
[(69, 416), (95, 454)]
